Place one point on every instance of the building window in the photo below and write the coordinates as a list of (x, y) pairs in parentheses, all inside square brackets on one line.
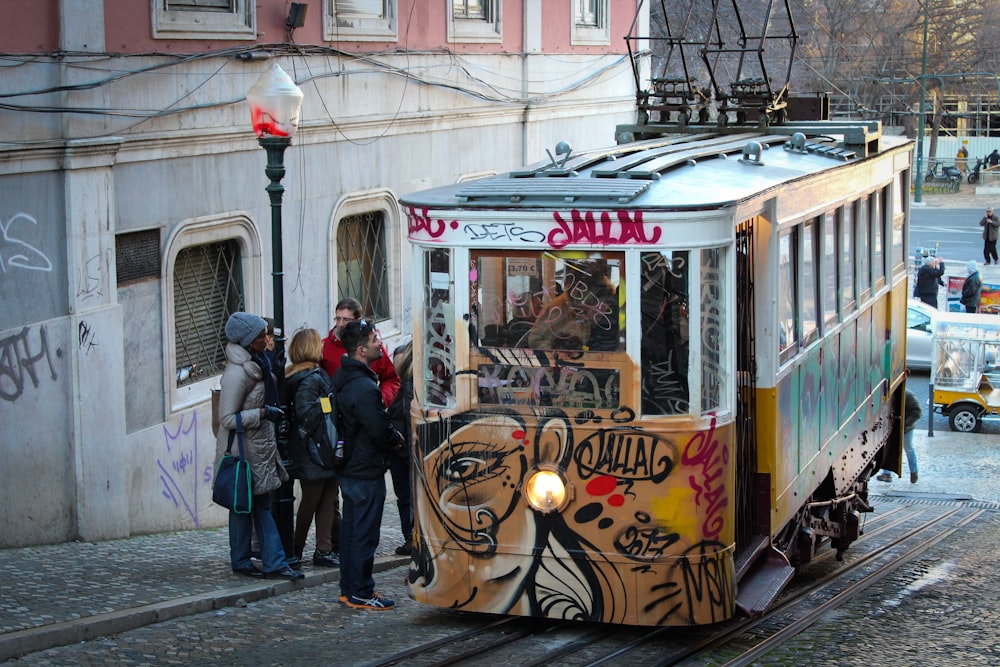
[(360, 20), (208, 288), (204, 19), (212, 269), (474, 21), (591, 23), (362, 270)]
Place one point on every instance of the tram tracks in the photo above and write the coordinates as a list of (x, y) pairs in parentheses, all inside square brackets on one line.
[(822, 587)]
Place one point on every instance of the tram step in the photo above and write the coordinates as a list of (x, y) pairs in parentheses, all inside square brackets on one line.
[(749, 555), (769, 573)]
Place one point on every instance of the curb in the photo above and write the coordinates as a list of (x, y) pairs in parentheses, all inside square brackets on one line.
[(22, 642)]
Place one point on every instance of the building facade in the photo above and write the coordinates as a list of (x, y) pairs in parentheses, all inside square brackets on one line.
[(134, 217)]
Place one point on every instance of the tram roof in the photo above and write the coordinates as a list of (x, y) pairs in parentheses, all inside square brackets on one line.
[(689, 170)]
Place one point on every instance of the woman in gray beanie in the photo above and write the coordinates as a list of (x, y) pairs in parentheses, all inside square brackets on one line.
[(249, 389), (972, 288)]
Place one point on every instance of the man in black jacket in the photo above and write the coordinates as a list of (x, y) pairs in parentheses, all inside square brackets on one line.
[(369, 436)]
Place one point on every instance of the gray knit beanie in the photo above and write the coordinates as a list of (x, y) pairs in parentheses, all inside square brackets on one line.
[(242, 328)]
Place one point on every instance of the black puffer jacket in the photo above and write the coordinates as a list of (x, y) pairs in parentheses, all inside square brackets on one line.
[(303, 387), (368, 434)]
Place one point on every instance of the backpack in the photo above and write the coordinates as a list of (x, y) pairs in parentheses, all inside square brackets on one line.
[(321, 441), (324, 444)]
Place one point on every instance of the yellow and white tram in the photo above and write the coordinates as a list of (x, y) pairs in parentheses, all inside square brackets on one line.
[(652, 379)]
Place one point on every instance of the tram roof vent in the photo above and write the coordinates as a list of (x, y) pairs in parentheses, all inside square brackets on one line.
[(569, 190)]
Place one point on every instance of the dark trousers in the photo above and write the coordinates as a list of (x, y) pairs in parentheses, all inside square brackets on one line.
[(360, 528), (399, 470), (990, 251)]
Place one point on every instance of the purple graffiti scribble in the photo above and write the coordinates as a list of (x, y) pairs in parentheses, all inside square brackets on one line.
[(181, 458)]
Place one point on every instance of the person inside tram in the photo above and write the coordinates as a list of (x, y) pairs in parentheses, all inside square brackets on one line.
[(586, 306)]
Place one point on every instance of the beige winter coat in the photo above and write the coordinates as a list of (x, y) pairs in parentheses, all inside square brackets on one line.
[(243, 392)]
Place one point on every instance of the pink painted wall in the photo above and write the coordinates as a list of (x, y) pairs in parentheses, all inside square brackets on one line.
[(34, 28), (31, 27)]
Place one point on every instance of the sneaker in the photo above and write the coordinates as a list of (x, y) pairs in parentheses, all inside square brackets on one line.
[(375, 603), (327, 559), (884, 477), (913, 478)]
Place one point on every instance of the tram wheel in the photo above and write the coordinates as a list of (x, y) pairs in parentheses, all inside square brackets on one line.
[(964, 420)]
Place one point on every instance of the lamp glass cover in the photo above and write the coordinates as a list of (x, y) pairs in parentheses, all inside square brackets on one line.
[(274, 101)]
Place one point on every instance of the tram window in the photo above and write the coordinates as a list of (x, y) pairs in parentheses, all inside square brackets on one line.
[(898, 262), (438, 371), (548, 300), (828, 267), (810, 312), (848, 295), (864, 249), (665, 332), (787, 294), (878, 240), (713, 326)]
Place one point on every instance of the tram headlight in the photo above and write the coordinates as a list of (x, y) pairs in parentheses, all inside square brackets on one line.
[(546, 490)]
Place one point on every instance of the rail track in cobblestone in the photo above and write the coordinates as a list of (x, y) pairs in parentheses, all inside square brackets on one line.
[(890, 541)]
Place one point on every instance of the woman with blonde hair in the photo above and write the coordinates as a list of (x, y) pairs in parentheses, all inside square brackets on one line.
[(305, 384)]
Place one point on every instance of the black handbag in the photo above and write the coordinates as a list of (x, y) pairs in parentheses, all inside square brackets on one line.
[(233, 486)]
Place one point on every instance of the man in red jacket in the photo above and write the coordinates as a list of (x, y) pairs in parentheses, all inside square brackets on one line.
[(346, 311)]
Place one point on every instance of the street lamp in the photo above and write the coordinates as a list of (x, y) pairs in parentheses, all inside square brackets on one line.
[(275, 101)]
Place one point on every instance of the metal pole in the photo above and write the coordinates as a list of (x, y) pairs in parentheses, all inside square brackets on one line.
[(918, 196), (283, 500)]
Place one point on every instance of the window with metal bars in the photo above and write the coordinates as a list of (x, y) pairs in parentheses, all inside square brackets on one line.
[(208, 288), (362, 271)]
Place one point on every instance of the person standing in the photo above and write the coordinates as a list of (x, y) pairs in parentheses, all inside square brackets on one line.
[(249, 389), (991, 231), (305, 383), (369, 436), (911, 413), (929, 280), (349, 310), (399, 458), (962, 158), (972, 288)]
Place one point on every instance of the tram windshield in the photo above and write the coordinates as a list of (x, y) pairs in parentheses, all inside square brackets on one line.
[(548, 328)]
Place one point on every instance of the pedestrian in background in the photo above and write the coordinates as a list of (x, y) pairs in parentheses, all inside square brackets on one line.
[(369, 436), (991, 231), (305, 383), (399, 458), (249, 388), (929, 280), (962, 158), (972, 288), (911, 413)]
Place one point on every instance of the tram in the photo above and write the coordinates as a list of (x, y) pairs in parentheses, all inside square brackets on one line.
[(652, 380)]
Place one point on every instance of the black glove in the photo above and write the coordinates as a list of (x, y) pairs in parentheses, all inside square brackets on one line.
[(272, 413)]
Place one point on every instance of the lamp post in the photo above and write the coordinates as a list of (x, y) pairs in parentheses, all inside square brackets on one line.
[(275, 101)]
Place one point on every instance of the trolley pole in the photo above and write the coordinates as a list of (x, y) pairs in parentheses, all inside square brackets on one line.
[(918, 196)]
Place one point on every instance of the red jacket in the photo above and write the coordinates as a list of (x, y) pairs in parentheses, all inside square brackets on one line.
[(388, 381)]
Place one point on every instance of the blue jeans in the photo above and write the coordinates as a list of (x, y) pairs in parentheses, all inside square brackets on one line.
[(240, 528), (911, 454), (360, 527)]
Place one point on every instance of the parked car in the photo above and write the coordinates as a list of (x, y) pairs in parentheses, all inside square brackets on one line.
[(919, 338), (919, 335)]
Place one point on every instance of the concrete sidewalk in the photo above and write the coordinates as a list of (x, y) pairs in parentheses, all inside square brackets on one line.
[(64, 593), (59, 594)]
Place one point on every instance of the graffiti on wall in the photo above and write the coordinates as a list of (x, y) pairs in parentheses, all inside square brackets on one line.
[(180, 476), (24, 356), (16, 253), (645, 539)]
